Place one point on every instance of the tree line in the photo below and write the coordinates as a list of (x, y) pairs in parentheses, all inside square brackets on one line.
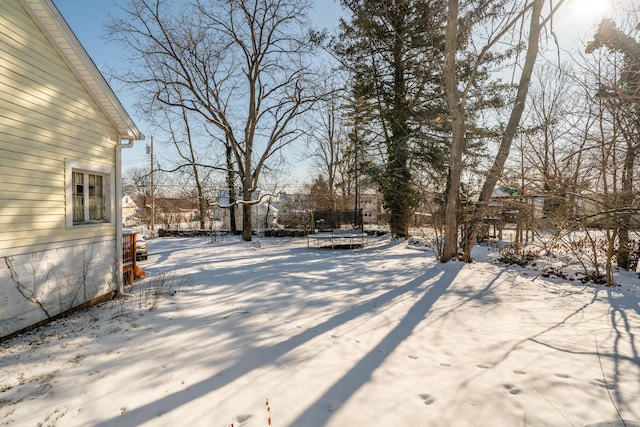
[(429, 102)]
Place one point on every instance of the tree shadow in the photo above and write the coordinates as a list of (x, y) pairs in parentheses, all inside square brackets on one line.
[(319, 413), (621, 308), (269, 355)]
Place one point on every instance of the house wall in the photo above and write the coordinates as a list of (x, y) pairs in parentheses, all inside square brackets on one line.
[(47, 120), (261, 213), (129, 207), (40, 285), (371, 205)]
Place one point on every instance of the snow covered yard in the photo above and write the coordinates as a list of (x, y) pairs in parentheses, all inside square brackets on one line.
[(382, 336)]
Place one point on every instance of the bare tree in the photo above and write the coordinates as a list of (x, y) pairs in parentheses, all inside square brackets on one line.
[(359, 152), (185, 145), (621, 97), (327, 138), (551, 142), (137, 183), (499, 26), (242, 65)]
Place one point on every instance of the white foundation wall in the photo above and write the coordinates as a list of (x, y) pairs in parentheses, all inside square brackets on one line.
[(40, 285)]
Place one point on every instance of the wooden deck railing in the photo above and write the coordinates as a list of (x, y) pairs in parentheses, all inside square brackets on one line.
[(129, 257)]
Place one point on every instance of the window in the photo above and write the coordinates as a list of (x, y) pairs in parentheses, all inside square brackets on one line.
[(88, 198)]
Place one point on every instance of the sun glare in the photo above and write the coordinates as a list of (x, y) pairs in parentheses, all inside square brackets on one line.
[(590, 11)]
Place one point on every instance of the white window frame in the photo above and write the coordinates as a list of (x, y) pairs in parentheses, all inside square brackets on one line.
[(108, 184)]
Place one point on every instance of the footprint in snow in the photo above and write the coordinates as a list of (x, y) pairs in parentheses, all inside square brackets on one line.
[(562, 375), (512, 389), (519, 372), (243, 418), (600, 383), (427, 399)]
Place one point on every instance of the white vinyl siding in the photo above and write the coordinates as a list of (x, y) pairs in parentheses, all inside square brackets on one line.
[(47, 119), (60, 125), (59, 279)]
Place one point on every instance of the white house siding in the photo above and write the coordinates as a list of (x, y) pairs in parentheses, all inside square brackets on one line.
[(370, 204), (259, 212), (47, 118), (43, 284), (129, 207)]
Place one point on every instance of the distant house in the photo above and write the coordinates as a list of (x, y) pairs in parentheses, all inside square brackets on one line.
[(371, 204), (293, 210), (129, 206), (62, 132), (264, 212), (175, 212)]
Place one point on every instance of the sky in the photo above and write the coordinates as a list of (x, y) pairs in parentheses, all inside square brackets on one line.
[(377, 337), (577, 19), (87, 19)]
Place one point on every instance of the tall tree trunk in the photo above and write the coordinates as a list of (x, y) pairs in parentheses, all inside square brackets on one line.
[(627, 201), (456, 110), (202, 205), (398, 195), (510, 131), (246, 211), (231, 188), (611, 37), (399, 192)]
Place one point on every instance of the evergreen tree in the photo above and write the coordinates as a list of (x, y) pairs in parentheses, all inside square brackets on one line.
[(391, 48)]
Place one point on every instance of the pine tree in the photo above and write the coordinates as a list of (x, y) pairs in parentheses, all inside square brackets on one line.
[(391, 48)]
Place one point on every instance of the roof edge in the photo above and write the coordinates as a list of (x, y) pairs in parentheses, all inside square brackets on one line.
[(63, 39)]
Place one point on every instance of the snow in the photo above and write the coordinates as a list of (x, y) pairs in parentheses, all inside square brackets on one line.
[(381, 336)]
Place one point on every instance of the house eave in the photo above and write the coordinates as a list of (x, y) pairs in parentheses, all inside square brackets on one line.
[(56, 29)]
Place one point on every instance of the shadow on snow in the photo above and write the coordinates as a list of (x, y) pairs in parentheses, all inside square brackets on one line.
[(344, 388)]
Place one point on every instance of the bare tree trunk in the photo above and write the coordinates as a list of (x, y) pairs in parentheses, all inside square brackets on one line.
[(231, 188), (624, 226), (510, 131), (246, 211), (456, 109), (627, 200)]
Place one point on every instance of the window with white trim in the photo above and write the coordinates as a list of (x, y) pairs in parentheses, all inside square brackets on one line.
[(88, 200)]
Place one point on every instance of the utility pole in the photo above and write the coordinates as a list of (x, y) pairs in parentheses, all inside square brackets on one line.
[(153, 187)]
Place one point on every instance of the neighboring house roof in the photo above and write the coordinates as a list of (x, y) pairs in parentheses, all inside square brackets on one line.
[(53, 25), (223, 197), (127, 202), (498, 193)]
